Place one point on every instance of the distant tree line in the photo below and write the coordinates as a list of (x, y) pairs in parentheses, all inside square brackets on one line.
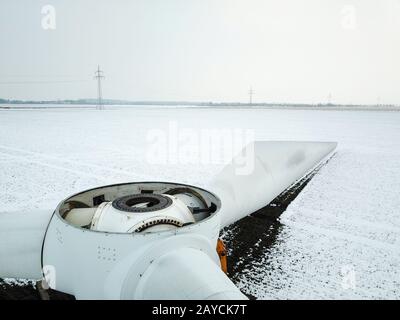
[(184, 103)]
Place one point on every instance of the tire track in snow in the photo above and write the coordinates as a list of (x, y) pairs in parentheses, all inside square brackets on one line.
[(41, 163), (345, 236), (74, 162)]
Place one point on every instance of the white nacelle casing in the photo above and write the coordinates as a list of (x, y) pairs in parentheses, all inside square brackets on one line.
[(91, 264)]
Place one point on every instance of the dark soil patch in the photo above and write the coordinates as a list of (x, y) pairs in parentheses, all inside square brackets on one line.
[(28, 292), (250, 237)]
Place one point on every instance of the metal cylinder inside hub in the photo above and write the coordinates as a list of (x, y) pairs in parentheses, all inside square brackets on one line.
[(142, 203)]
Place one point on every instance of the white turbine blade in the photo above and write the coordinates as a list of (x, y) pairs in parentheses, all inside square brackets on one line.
[(21, 235), (270, 168), (186, 274)]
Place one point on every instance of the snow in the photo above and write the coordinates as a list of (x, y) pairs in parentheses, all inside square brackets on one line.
[(340, 238)]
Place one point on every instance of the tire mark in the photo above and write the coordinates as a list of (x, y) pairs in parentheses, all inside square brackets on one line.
[(41, 155)]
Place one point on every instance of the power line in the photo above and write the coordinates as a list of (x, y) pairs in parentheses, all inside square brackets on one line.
[(40, 82), (99, 76)]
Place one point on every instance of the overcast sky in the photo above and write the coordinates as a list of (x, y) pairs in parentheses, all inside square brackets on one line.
[(202, 50)]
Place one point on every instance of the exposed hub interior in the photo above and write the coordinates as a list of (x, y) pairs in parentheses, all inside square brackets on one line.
[(139, 207)]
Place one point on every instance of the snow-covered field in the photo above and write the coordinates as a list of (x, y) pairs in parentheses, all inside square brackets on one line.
[(340, 237)]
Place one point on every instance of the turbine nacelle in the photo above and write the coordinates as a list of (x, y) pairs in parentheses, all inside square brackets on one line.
[(101, 229), (150, 240)]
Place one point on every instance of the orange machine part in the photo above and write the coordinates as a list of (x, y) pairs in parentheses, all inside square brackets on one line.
[(222, 255)]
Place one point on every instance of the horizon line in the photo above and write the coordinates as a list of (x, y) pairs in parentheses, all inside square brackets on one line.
[(93, 101)]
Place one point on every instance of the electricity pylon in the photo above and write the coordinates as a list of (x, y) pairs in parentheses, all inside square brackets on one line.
[(251, 92), (99, 76)]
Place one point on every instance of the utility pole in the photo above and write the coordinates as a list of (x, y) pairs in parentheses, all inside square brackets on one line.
[(99, 76), (330, 99), (378, 101), (251, 92)]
